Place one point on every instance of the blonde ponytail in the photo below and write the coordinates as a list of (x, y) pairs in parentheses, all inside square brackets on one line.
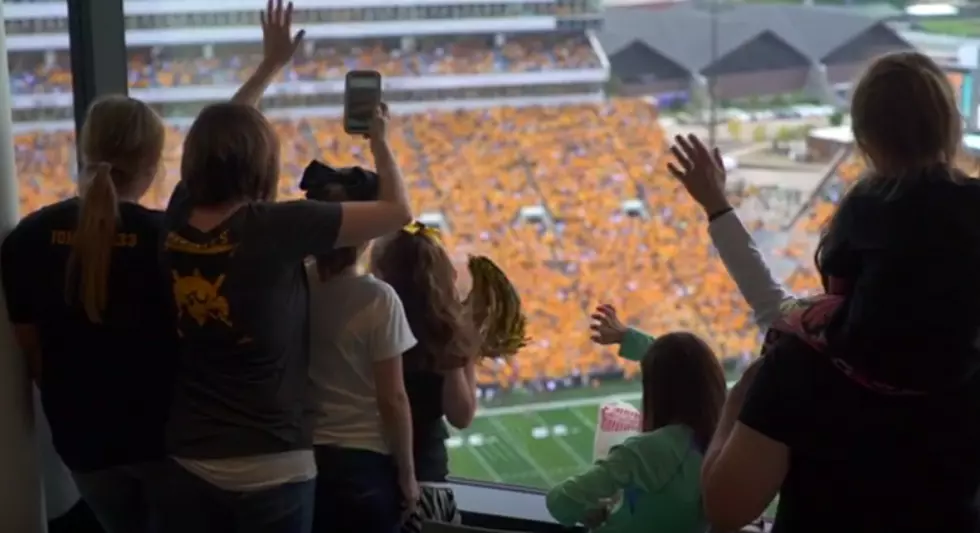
[(87, 275)]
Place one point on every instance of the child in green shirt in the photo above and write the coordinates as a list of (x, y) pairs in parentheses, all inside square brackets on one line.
[(651, 482)]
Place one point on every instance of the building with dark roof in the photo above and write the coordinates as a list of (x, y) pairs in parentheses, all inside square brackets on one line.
[(760, 49)]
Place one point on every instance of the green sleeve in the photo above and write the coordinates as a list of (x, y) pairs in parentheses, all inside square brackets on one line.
[(635, 344), (569, 501), (645, 461)]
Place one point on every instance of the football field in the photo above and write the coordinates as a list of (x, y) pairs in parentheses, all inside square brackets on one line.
[(535, 445)]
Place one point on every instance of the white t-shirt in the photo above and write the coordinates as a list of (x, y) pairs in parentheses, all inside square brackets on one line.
[(355, 321)]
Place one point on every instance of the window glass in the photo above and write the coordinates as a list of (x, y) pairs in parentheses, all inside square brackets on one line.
[(487, 170), (43, 120)]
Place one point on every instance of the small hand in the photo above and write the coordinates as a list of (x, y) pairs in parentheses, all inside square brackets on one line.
[(278, 42), (701, 172), (410, 496), (378, 129), (606, 327), (594, 518)]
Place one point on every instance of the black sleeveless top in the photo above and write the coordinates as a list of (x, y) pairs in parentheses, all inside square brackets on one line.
[(429, 433)]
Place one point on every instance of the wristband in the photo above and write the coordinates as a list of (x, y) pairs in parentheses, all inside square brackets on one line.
[(718, 214)]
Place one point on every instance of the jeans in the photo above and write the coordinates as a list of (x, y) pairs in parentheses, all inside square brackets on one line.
[(122, 497), (193, 505), (356, 492)]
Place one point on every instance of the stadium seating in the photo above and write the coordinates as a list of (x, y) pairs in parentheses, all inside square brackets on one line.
[(458, 57), (479, 168)]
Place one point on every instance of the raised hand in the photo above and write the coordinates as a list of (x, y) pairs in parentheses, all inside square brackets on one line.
[(378, 129), (701, 172), (278, 42), (606, 327)]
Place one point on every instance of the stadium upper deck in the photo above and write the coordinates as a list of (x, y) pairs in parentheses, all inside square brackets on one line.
[(185, 54)]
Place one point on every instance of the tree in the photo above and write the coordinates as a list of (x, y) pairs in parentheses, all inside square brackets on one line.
[(735, 129), (784, 135), (836, 119), (614, 85), (759, 134)]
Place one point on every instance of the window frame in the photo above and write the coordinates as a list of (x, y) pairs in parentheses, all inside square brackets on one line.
[(97, 48)]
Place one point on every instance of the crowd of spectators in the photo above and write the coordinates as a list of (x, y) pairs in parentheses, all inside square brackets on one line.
[(478, 169), (464, 56)]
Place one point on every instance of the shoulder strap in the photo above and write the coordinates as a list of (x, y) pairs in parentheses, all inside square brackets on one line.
[(807, 320)]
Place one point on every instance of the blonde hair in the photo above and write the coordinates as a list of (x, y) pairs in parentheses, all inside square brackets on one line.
[(904, 115), (121, 142)]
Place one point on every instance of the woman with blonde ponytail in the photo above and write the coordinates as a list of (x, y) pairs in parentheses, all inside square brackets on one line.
[(93, 315), (87, 274)]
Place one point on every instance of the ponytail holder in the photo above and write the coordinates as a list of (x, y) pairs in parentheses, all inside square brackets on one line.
[(101, 166), (418, 228)]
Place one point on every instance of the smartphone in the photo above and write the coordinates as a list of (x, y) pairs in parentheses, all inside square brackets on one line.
[(362, 95)]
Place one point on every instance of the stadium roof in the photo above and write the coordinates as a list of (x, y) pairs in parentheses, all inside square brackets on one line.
[(681, 33)]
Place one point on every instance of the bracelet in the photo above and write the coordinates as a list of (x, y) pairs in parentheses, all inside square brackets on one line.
[(718, 214)]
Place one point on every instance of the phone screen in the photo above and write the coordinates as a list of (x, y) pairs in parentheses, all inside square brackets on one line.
[(363, 94)]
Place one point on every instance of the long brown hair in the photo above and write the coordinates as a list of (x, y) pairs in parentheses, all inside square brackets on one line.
[(683, 383), (904, 115), (231, 153), (421, 272), (121, 143)]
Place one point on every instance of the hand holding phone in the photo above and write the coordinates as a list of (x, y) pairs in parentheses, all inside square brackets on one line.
[(362, 98), (378, 129)]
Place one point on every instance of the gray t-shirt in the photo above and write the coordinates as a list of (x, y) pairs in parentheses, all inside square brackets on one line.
[(356, 321), (242, 306)]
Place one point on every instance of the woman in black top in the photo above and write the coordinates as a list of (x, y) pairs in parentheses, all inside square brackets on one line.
[(93, 314), (440, 375), (239, 434), (864, 411)]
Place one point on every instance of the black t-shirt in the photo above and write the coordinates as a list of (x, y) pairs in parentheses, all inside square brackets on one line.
[(242, 311), (105, 387), (863, 461)]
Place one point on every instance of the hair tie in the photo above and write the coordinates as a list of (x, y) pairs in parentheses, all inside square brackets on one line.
[(418, 228), (101, 166)]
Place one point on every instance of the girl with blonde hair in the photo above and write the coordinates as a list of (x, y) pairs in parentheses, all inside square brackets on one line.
[(92, 314)]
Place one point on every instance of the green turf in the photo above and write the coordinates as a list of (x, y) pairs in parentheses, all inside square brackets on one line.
[(965, 27), (535, 448), (535, 445)]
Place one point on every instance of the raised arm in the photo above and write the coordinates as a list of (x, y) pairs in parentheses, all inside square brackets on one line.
[(278, 46), (745, 264), (702, 173), (607, 329), (363, 221)]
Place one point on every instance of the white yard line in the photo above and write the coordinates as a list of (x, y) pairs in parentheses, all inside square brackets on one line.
[(577, 456), (561, 404), (518, 446), (485, 464), (554, 406), (578, 414)]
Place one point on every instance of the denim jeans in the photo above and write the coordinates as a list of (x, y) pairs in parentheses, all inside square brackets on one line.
[(122, 497), (356, 492), (193, 505)]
